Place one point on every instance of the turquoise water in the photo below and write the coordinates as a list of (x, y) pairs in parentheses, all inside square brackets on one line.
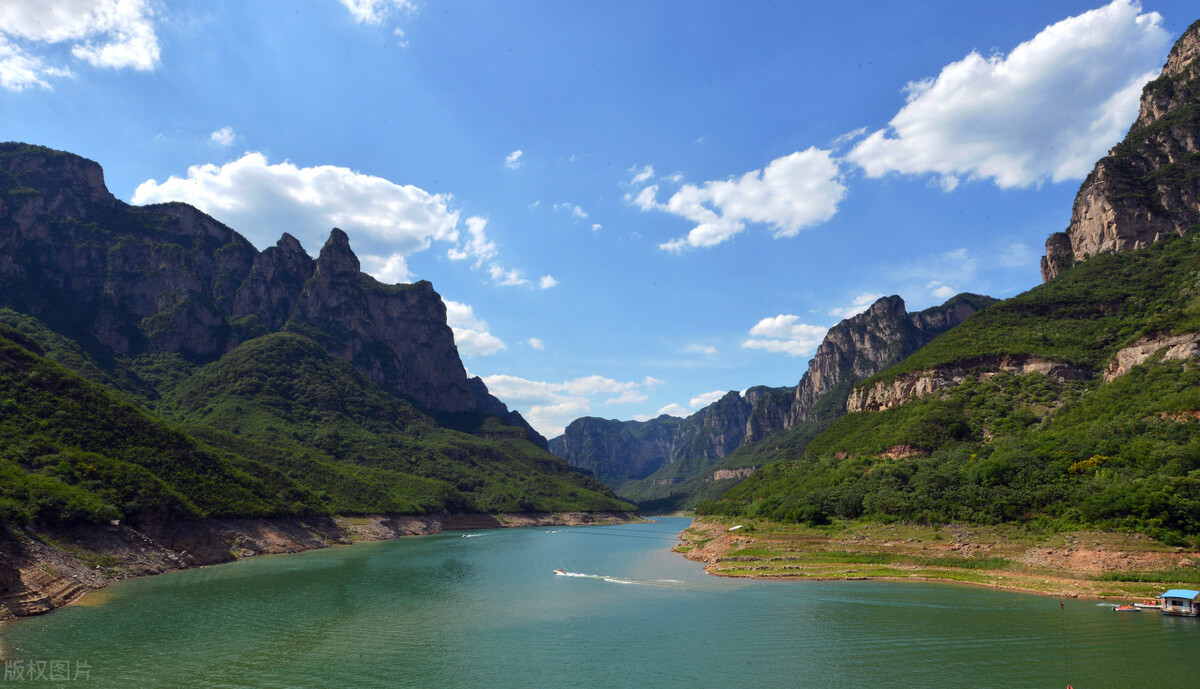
[(487, 611)]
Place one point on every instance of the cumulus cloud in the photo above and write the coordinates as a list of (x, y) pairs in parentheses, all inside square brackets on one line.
[(385, 220), (536, 343), (792, 192), (470, 332), (596, 227), (704, 399), (549, 406), (223, 136), (674, 409), (785, 334), (476, 245), (940, 290), (1047, 110), (112, 34), (512, 161), (374, 11), (861, 303), (547, 281)]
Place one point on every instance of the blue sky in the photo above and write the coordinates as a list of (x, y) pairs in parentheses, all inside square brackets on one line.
[(629, 207)]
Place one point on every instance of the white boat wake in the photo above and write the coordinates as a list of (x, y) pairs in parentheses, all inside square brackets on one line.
[(619, 580)]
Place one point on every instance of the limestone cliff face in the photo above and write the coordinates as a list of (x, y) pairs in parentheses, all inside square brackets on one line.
[(900, 390), (1148, 187), (861, 346), (167, 277), (865, 344)]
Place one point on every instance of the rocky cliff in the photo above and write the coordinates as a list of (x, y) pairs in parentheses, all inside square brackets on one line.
[(865, 344), (1148, 187), (167, 277), (638, 463)]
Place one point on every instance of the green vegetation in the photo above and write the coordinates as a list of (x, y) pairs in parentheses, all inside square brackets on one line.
[(1029, 449), (276, 428)]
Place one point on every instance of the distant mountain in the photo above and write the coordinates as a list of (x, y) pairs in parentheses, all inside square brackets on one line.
[(1073, 404), (670, 462), (154, 366)]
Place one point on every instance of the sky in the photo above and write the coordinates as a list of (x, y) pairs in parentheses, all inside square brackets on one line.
[(629, 208)]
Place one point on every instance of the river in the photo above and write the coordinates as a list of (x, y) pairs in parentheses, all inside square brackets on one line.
[(484, 609)]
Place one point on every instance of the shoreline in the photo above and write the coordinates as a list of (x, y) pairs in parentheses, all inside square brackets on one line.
[(42, 570), (1083, 564)]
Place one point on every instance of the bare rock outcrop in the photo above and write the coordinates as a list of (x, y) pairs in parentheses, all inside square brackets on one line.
[(1185, 346), (900, 390), (861, 346), (1148, 187)]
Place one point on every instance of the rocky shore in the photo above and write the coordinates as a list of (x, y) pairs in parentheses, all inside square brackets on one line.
[(42, 569)]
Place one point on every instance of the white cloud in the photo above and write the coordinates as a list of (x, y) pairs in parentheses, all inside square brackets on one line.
[(861, 303), (703, 400), (507, 278), (384, 219), (596, 227), (374, 11), (940, 291), (547, 281), (651, 381), (1047, 110), (476, 246), (512, 161), (536, 343), (641, 175), (575, 210), (391, 269), (699, 349), (470, 332), (785, 334), (628, 397), (789, 194), (674, 410), (113, 34), (223, 136), (849, 136), (549, 407)]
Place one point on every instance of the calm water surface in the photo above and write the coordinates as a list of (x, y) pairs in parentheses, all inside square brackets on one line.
[(487, 611)]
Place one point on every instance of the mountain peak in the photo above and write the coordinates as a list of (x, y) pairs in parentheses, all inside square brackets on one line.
[(1148, 186), (336, 257)]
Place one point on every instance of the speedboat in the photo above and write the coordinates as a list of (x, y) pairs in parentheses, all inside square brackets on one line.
[(559, 571), (1149, 605), (1127, 608)]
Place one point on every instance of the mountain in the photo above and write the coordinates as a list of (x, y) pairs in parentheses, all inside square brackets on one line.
[(1074, 404), (167, 278), (155, 368), (1148, 186), (669, 462)]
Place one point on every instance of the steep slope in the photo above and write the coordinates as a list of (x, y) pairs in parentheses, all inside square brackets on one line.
[(70, 451), (285, 392), (1148, 187), (167, 278), (701, 455), (1073, 404)]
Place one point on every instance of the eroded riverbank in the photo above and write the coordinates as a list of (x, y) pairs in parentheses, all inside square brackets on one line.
[(41, 570), (1072, 564)]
